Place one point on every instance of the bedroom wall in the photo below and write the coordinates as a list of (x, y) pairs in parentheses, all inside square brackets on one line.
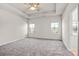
[(70, 40), (12, 27), (43, 27)]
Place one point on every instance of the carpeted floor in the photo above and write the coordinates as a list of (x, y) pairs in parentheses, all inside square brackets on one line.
[(34, 47)]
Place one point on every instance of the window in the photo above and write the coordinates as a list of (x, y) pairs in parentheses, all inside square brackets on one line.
[(55, 27), (75, 22), (32, 27)]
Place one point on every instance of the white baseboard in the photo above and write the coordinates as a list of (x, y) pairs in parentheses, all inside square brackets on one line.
[(44, 38), (67, 47), (10, 42)]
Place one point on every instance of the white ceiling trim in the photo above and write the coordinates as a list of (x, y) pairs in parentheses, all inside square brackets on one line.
[(59, 8)]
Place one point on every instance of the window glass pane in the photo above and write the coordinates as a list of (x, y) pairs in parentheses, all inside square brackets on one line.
[(32, 27), (75, 22), (55, 27)]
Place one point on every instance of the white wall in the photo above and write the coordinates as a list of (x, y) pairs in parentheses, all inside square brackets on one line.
[(43, 27), (12, 27), (70, 42)]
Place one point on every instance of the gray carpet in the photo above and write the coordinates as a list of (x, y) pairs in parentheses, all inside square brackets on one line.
[(34, 47)]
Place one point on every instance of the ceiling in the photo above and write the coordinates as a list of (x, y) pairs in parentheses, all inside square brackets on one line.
[(45, 9)]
